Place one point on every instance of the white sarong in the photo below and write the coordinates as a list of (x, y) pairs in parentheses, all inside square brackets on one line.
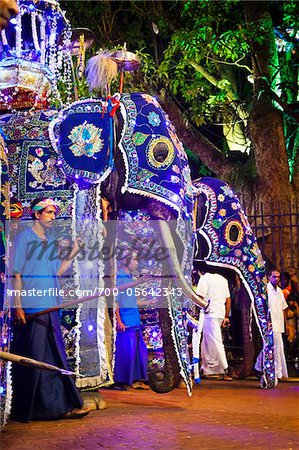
[(212, 349)]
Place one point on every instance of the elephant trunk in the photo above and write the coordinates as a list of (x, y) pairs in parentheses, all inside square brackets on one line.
[(175, 266), (165, 380)]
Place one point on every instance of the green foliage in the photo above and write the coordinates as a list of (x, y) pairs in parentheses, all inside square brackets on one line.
[(198, 169), (290, 14), (194, 62), (82, 88)]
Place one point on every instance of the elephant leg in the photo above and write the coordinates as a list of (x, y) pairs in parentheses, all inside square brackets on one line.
[(248, 345), (166, 379)]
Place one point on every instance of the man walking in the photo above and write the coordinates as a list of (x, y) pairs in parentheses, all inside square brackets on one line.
[(214, 287), (278, 307)]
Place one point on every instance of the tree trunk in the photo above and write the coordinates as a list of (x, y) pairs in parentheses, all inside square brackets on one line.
[(267, 135), (264, 180)]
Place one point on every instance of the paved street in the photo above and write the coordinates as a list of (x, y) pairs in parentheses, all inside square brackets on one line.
[(220, 415)]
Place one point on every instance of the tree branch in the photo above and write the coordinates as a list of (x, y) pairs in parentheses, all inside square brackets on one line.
[(208, 76), (231, 63), (232, 96), (208, 153)]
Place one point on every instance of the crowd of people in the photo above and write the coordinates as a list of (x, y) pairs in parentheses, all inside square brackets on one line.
[(283, 301), (39, 394)]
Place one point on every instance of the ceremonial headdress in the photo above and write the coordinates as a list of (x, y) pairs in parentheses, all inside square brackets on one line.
[(44, 203), (31, 55)]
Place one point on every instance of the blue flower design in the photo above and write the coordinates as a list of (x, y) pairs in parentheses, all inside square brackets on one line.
[(154, 119)]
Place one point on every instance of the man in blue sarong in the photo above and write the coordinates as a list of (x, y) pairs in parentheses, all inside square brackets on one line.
[(37, 394), (131, 357)]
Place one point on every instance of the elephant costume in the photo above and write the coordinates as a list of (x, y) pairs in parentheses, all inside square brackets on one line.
[(146, 177), (224, 239)]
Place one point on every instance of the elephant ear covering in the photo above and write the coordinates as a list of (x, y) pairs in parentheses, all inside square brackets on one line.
[(81, 135), (222, 228), (155, 160)]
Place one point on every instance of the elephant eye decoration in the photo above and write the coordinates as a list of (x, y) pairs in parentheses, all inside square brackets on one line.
[(234, 233), (155, 161), (225, 239), (160, 153)]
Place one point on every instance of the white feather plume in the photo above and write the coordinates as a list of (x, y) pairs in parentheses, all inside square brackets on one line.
[(100, 72)]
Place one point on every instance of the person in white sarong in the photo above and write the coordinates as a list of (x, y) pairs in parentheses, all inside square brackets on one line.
[(278, 307), (214, 287)]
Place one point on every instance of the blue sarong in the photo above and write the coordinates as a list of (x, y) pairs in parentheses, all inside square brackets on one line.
[(41, 394), (131, 357)]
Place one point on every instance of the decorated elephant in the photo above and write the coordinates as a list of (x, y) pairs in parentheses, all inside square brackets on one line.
[(117, 163), (147, 182), (225, 240), (132, 181)]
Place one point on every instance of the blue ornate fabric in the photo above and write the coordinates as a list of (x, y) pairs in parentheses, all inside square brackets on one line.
[(5, 324), (81, 136), (223, 230), (34, 172), (33, 169), (4, 214), (94, 344), (155, 160), (136, 231)]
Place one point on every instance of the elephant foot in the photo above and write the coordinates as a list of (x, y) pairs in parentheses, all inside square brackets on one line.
[(93, 401), (161, 382), (264, 384)]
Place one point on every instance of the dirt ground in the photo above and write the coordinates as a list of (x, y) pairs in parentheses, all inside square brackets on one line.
[(219, 415)]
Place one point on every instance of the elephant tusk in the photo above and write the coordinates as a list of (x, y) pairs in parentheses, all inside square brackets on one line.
[(175, 266)]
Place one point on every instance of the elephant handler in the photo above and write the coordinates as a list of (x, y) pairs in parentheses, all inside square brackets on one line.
[(214, 287), (131, 357), (38, 394)]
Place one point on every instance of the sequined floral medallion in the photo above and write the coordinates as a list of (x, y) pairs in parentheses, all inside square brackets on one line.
[(86, 140)]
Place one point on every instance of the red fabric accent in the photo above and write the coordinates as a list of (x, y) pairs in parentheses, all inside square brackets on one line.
[(23, 99), (115, 103)]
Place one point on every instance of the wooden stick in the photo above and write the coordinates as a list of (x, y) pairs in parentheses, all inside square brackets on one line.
[(24, 361), (123, 287)]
